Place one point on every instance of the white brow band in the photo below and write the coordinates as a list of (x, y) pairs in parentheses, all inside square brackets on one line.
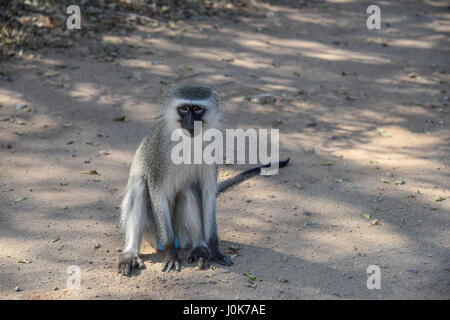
[(204, 102)]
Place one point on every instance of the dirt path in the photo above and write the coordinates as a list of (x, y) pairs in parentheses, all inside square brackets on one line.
[(373, 103)]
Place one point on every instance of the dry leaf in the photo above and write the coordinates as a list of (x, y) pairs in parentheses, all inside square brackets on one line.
[(90, 172)]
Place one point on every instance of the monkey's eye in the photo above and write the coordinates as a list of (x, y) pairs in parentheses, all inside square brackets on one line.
[(197, 109), (184, 108)]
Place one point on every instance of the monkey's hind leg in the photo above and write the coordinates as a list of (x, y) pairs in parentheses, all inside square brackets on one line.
[(188, 225), (134, 220), (208, 196)]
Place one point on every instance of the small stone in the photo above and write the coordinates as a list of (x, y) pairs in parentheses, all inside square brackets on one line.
[(17, 289), (55, 288), (21, 106), (389, 174), (263, 98)]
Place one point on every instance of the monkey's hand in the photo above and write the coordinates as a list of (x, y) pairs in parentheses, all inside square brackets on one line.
[(128, 261), (171, 260)]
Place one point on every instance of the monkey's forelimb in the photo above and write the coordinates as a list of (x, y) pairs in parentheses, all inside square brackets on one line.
[(224, 185), (134, 220)]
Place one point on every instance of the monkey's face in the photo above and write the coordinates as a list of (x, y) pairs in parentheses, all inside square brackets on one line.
[(189, 113), (187, 107)]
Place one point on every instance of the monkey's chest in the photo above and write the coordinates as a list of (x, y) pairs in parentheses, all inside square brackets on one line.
[(186, 175)]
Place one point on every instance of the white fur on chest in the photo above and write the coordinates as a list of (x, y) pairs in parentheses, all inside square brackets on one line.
[(184, 175)]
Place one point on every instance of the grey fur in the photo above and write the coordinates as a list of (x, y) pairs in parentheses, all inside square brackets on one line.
[(163, 199)]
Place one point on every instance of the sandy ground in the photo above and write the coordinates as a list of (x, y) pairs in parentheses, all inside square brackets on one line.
[(373, 103)]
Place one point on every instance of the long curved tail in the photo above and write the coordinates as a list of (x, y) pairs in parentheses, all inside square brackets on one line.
[(246, 175)]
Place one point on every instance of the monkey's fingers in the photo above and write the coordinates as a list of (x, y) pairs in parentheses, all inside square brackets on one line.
[(172, 264), (203, 263), (137, 263), (127, 262), (201, 255), (167, 265), (124, 268)]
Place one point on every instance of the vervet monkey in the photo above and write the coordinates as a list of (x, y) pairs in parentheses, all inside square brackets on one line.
[(164, 200)]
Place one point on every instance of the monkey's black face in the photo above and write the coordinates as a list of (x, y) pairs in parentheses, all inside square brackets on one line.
[(189, 114)]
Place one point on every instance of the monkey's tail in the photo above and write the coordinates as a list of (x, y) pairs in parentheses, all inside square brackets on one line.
[(246, 175)]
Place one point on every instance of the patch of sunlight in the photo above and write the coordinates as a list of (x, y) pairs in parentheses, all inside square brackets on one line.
[(11, 97), (50, 62), (436, 3), (278, 87), (443, 26), (112, 39), (168, 45), (394, 149), (155, 65), (247, 40), (146, 248), (399, 78), (45, 172), (84, 196), (312, 49), (121, 156), (85, 91), (325, 52), (317, 19), (412, 43)]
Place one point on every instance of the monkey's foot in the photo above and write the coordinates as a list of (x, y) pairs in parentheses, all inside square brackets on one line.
[(171, 260), (128, 261), (221, 259), (201, 255)]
